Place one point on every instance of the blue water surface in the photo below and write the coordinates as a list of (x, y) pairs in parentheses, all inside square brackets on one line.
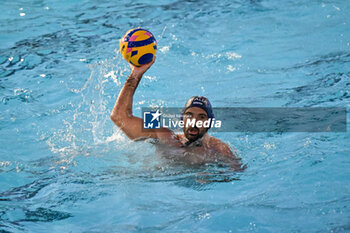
[(64, 166)]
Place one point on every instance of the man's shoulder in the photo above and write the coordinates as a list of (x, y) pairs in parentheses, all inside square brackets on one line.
[(219, 146), (215, 141)]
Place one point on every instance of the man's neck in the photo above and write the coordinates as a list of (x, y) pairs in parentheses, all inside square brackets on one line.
[(198, 142)]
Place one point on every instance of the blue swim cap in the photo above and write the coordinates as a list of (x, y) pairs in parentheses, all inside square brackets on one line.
[(200, 102)]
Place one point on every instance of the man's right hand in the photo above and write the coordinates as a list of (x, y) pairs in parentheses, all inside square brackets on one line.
[(138, 71)]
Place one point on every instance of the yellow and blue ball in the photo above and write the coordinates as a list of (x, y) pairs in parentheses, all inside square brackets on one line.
[(138, 46)]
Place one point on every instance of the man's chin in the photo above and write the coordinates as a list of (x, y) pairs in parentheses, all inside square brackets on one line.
[(192, 137)]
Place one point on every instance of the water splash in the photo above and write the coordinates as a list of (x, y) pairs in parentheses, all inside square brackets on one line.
[(89, 125)]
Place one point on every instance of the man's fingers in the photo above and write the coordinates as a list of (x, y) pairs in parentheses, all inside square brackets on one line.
[(151, 62), (140, 70), (145, 66)]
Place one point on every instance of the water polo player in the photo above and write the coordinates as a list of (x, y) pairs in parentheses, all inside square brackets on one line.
[(195, 146)]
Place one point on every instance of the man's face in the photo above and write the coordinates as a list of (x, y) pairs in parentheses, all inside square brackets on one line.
[(194, 133)]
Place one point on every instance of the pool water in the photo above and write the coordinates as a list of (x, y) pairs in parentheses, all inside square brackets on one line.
[(64, 166)]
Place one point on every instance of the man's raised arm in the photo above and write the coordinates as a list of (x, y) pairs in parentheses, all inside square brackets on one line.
[(122, 111)]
